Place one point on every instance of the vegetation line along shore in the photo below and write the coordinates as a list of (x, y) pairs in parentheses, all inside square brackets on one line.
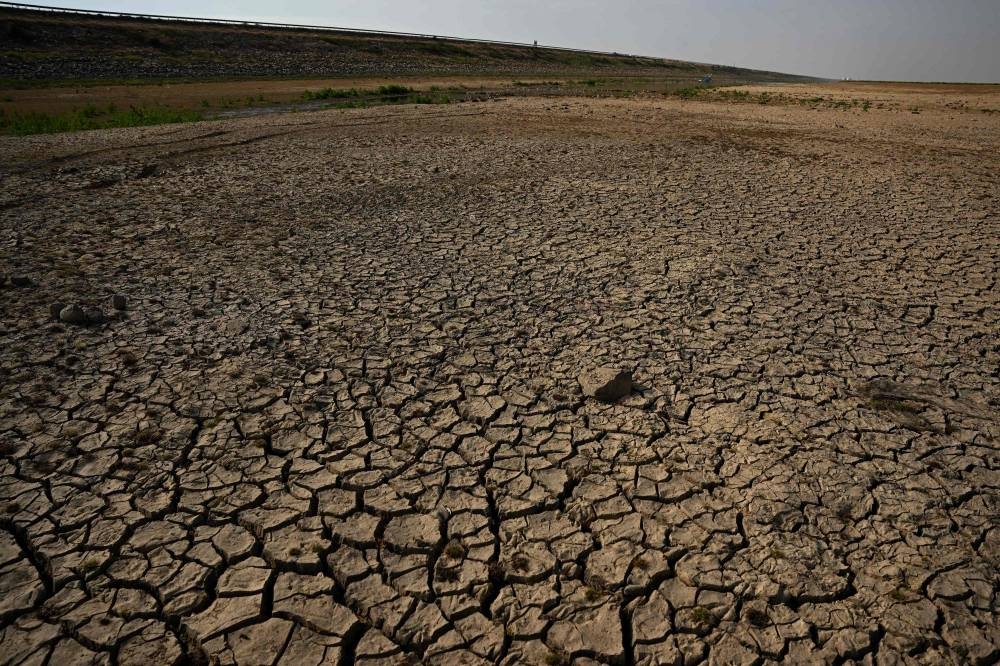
[(91, 117)]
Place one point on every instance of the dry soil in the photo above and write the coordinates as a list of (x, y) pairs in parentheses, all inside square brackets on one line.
[(340, 419)]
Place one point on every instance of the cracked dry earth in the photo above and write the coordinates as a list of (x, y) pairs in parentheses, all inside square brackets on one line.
[(339, 420)]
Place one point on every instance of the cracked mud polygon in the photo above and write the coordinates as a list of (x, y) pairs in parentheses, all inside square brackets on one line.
[(339, 418)]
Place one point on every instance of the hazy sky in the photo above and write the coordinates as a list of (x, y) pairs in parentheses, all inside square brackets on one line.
[(915, 40)]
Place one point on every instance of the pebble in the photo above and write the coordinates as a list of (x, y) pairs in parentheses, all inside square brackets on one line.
[(94, 315), (73, 314)]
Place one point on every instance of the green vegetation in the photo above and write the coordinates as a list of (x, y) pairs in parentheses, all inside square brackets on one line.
[(89, 564), (701, 615), (352, 98), (330, 93), (393, 89), (689, 93), (735, 95), (90, 117), (430, 99), (455, 550)]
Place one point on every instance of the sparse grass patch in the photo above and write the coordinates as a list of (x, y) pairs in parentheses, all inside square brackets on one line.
[(353, 98), (88, 565), (330, 93), (529, 84), (556, 659), (90, 117), (454, 550), (701, 615), (430, 99), (394, 89), (688, 93), (734, 95)]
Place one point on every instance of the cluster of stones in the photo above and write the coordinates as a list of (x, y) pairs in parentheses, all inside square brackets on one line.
[(81, 315), (599, 389)]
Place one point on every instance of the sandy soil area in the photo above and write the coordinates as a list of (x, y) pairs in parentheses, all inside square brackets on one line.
[(339, 417)]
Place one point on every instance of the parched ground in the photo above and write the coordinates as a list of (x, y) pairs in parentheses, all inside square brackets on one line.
[(339, 420)]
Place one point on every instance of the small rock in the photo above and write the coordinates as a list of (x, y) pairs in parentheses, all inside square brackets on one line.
[(56, 308), (607, 384), (73, 314), (119, 302), (20, 280), (94, 315)]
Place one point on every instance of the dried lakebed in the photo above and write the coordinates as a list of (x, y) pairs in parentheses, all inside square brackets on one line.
[(339, 419)]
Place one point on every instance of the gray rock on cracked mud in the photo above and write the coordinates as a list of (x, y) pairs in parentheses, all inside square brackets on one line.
[(606, 384)]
